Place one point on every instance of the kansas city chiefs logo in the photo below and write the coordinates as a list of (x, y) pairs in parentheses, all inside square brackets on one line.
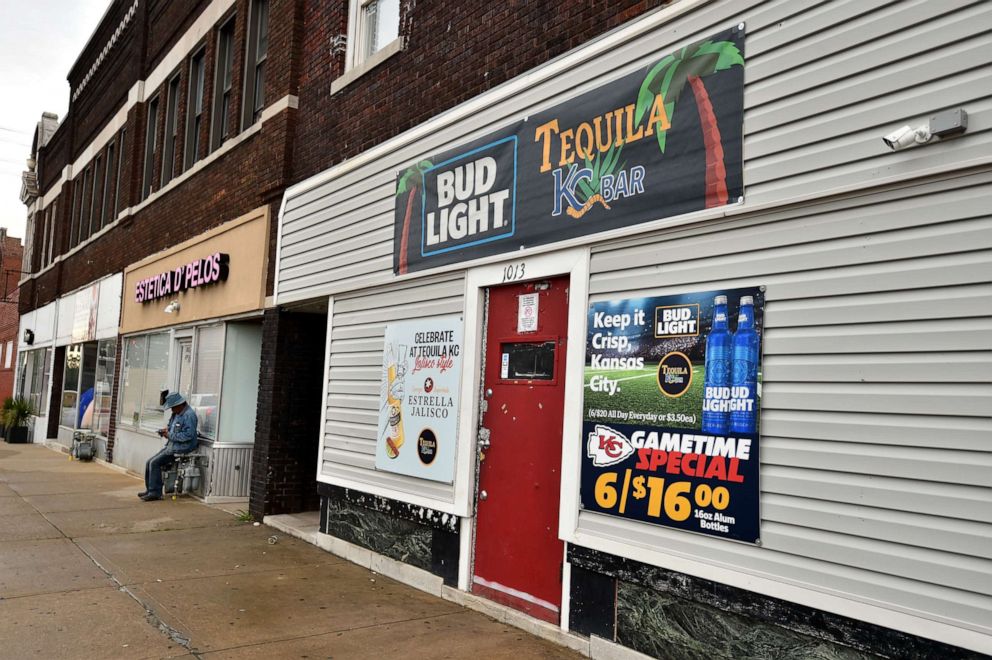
[(607, 446)]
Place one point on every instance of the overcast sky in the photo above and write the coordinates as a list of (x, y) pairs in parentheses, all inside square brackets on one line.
[(39, 41)]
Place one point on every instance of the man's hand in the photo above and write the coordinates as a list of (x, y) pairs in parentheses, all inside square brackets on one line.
[(163, 432)]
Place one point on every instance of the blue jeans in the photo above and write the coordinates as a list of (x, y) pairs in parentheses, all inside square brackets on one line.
[(153, 469)]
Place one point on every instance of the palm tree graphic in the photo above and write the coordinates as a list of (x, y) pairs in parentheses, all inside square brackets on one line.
[(669, 77), (411, 181)]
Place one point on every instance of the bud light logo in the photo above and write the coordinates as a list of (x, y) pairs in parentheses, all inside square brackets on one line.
[(608, 446)]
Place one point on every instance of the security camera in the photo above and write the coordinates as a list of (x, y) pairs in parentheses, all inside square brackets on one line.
[(907, 137), (941, 126)]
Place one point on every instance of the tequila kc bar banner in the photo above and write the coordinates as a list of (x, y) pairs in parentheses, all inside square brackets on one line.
[(656, 143)]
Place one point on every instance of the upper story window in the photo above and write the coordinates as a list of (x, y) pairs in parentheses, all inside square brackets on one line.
[(108, 175), (372, 25), (255, 57), (171, 130), (222, 85), (194, 111), (151, 146), (120, 169)]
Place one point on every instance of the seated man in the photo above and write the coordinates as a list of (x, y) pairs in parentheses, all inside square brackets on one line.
[(182, 439)]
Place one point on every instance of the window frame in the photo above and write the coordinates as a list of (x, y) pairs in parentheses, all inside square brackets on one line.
[(94, 221), (250, 112), (356, 52), (171, 129), (108, 158), (151, 147), (120, 168), (220, 123), (194, 119)]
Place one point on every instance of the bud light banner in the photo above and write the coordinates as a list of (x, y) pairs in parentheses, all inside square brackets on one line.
[(659, 142), (671, 411), (418, 398)]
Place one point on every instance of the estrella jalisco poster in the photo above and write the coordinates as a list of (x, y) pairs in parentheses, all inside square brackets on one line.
[(671, 411), (418, 398), (662, 141)]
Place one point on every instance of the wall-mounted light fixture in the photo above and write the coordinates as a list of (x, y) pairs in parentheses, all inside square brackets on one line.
[(941, 125), (172, 307)]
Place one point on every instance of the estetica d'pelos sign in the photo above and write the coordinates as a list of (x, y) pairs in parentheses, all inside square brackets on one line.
[(195, 274)]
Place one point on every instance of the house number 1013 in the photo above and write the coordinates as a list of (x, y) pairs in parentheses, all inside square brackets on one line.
[(515, 272)]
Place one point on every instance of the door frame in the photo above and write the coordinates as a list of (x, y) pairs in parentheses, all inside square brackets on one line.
[(574, 263)]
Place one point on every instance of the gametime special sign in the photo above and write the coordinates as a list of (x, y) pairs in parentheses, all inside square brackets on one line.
[(418, 401), (671, 411), (660, 142)]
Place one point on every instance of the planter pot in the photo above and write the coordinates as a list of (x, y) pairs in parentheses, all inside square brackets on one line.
[(3, 431), (17, 434)]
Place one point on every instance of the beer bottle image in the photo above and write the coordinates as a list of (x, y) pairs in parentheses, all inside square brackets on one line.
[(394, 400), (716, 385), (744, 371)]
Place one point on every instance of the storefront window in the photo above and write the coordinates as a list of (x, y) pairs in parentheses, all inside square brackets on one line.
[(156, 382), (32, 383), (205, 395), (87, 385), (103, 386), (146, 376), (133, 379), (70, 385)]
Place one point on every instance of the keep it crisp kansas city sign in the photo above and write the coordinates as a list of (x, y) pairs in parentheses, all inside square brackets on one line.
[(659, 142)]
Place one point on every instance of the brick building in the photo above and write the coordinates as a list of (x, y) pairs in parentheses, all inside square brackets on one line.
[(148, 243), (252, 246), (10, 272)]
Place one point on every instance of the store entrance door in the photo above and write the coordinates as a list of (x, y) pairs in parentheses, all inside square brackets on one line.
[(518, 555)]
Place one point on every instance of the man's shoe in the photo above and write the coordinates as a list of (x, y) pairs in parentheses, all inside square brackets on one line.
[(150, 497), (142, 493)]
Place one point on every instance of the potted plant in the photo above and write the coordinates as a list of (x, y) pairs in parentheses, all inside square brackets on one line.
[(7, 403), (15, 419)]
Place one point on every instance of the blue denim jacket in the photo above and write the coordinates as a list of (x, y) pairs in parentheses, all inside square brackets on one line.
[(182, 432)]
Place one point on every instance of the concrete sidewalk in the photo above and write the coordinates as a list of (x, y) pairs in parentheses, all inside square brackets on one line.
[(89, 571)]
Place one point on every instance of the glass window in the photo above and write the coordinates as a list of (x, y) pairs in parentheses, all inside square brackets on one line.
[(70, 385), (103, 386), (156, 381), (255, 56), (133, 379), (171, 131), (120, 167), (87, 378), (194, 107), (151, 146), (145, 376), (222, 84), (22, 374), (107, 176), (205, 397), (374, 24), (8, 354), (32, 383)]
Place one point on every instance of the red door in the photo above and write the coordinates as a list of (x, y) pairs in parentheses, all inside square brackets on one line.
[(518, 556)]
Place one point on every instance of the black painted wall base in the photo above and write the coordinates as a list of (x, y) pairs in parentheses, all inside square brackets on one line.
[(665, 614), (413, 535)]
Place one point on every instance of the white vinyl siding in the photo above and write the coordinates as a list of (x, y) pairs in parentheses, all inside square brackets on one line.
[(876, 468), (823, 84), (352, 405)]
